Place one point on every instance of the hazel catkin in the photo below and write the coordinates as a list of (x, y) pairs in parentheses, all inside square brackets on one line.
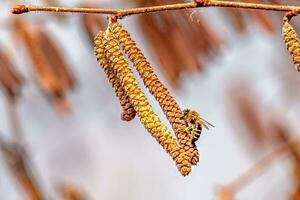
[(140, 103), (10, 79), (167, 103), (47, 78), (291, 39), (55, 57), (128, 111)]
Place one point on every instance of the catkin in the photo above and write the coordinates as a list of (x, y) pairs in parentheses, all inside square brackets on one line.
[(56, 59), (157, 89), (140, 103), (46, 77), (291, 39), (10, 79), (128, 111)]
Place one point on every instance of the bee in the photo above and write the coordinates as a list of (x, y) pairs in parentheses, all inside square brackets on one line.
[(195, 123)]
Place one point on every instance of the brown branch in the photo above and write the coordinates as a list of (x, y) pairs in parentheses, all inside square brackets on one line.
[(20, 9), (253, 172)]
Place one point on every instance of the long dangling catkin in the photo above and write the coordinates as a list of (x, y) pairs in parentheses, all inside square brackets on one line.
[(56, 59), (44, 73), (10, 79), (157, 89), (140, 103), (128, 111), (291, 39)]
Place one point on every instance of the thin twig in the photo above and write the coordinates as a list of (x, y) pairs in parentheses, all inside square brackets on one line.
[(19, 9), (253, 172)]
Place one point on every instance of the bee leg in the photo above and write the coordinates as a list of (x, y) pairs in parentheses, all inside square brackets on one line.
[(188, 129)]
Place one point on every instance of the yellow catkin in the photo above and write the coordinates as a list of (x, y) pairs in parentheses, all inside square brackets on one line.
[(168, 104), (140, 103), (291, 39), (128, 111)]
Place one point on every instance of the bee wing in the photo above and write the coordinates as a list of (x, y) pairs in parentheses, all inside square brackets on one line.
[(205, 126), (206, 123)]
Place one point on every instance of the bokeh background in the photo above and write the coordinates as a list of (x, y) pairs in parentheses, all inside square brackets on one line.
[(106, 158)]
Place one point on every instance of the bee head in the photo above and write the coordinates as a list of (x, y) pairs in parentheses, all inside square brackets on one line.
[(185, 112)]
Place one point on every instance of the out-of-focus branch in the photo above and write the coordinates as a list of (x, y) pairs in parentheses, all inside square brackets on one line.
[(20, 9), (253, 172)]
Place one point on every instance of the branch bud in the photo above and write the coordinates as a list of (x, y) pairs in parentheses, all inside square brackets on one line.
[(19, 9)]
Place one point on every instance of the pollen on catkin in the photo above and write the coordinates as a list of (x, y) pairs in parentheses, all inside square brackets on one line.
[(140, 103), (167, 103), (291, 39), (128, 111)]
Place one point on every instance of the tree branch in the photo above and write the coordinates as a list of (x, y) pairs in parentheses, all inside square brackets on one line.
[(253, 172), (20, 9)]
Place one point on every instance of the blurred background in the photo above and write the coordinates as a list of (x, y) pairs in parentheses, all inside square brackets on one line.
[(60, 128)]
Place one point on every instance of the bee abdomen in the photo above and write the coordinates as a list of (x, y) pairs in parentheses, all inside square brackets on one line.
[(196, 134)]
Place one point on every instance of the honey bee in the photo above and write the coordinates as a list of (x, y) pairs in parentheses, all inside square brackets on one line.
[(195, 123)]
